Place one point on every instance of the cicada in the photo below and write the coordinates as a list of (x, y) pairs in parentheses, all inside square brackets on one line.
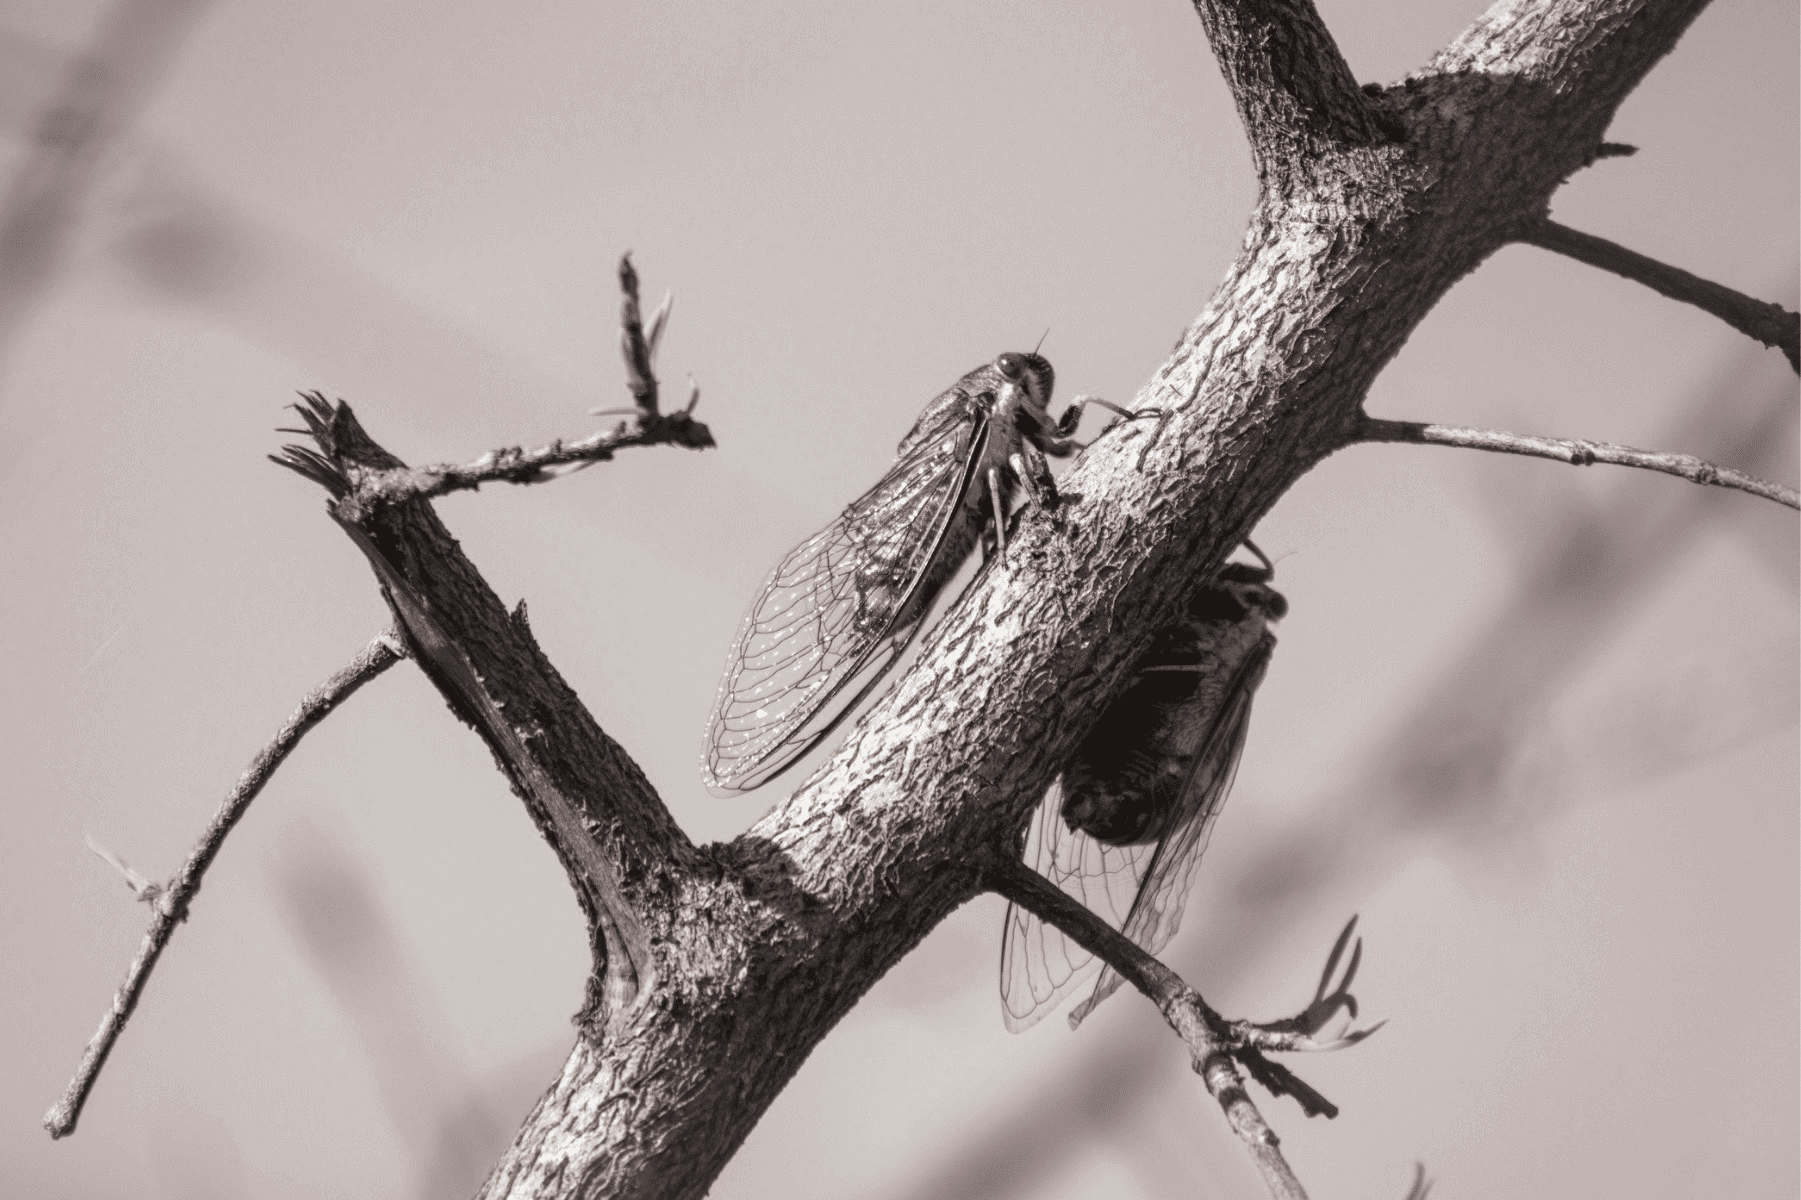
[(843, 606), (1123, 827)]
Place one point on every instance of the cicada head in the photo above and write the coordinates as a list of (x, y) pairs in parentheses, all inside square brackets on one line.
[(1025, 389)]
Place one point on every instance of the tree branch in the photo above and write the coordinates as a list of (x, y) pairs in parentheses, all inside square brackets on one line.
[(373, 488), (171, 902), (516, 465), (1576, 57), (1577, 453), (638, 347), (1768, 323), (769, 940), (1294, 91), (1215, 1045), (628, 967), (588, 798)]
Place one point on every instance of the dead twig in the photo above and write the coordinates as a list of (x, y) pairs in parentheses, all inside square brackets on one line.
[(1216, 1046), (369, 489), (170, 901), (1577, 453)]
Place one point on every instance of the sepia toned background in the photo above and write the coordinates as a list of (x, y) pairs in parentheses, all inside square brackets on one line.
[(1536, 725)]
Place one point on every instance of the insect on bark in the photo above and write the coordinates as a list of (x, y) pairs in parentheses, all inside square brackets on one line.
[(843, 606), (1123, 827)]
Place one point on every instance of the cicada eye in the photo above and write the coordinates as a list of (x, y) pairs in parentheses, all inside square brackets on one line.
[(1010, 365)]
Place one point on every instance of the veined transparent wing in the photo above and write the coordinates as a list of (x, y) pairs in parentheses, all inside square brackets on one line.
[(1157, 909), (837, 612), (1039, 966)]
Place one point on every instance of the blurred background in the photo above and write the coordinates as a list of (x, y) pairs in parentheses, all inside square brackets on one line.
[(1536, 725)]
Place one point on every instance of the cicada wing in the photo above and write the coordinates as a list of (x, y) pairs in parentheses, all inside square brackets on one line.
[(827, 625), (1039, 965), (1156, 911)]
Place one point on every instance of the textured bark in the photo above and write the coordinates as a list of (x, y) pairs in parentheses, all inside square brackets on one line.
[(743, 955)]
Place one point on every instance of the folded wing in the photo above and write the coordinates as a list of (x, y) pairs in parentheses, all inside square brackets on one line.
[(836, 613)]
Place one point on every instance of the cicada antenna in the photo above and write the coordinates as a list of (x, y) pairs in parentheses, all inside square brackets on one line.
[(1041, 337)]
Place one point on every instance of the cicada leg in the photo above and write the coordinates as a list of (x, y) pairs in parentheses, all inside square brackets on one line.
[(997, 499), (1065, 444), (1034, 475)]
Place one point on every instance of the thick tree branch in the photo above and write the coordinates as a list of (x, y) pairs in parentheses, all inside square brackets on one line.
[(1294, 91), (1579, 56), (170, 902), (1577, 453), (844, 877), (587, 796), (1768, 323), (628, 967)]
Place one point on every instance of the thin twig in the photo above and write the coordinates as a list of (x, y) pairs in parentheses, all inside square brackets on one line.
[(515, 465), (638, 348), (1768, 323), (1576, 453), (171, 903), (1215, 1045), (650, 427)]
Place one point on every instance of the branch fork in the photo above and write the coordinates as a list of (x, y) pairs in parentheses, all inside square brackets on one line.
[(1217, 1047), (366, 485)]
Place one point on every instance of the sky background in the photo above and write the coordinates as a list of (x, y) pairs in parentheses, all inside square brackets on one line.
[(1537, 726)]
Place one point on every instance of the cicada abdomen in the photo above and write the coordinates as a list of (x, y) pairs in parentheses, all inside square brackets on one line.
[(843, 606), (1123, 827)]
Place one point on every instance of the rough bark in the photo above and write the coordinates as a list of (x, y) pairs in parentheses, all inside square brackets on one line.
[(718, 968)]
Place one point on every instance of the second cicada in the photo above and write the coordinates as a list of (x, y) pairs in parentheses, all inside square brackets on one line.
[(1123, 827), (843, 606)]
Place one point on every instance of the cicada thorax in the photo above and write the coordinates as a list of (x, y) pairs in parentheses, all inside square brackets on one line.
[(1124, 786), (1005, 407), (978, 393)]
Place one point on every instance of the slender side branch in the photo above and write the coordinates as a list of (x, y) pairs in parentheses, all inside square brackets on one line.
[(1577, 453), (1199, 1027), (516, 465), (1768, 323), (375, 488), (171, 902)]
